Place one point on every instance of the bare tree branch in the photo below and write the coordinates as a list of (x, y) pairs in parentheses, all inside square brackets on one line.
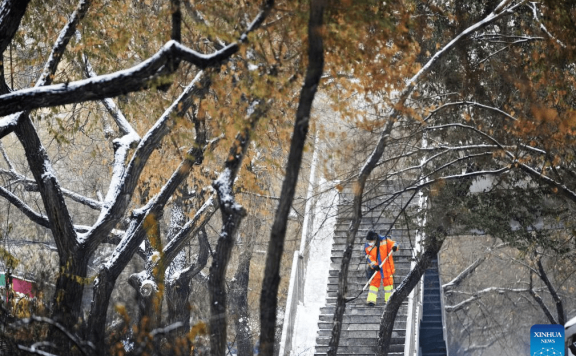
[(557, 300), (540, 302), (477, 295), (139, 77)]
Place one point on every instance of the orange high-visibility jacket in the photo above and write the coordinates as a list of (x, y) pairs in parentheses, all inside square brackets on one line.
[(385, 248)]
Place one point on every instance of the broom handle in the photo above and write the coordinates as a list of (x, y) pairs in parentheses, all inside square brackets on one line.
[(371, 278)]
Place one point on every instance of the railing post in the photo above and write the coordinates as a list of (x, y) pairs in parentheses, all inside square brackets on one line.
[(294, 290)]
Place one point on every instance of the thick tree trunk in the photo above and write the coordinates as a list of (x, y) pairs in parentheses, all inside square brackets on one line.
[(95, 330), (73, 259), (232, 215), (70, 284), (178, 290), (239, 300), (177, 294), (217, 283)]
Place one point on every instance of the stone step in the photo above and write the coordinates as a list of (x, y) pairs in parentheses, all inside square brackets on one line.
[(374, 210), (357, 354), (355, 334), (359, 264), (355, 262), (403, 252), (432, 304), (358, 271), (359, 278), (403, 236), (359, 341), (358, 268), (431, 323), (361, 309), (366, 320), (376, 222), (332, 293), (431, 314), (358, 347), (432, 298), (399, 327), (355, 321), (431, 274), (432, 284), (360, 259), (340, 243)]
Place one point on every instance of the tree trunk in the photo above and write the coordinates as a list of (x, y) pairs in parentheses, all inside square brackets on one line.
[(11, 14), (433, 246), (69, 289), (95, 330), (239, 300), (232, 215), (217, 284), (178, 290), (269, 295)]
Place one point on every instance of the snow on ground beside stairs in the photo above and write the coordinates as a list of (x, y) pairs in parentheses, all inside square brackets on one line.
[(316, 280)]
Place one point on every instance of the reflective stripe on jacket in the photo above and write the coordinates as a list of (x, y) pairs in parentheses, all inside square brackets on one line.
[(375, 260)]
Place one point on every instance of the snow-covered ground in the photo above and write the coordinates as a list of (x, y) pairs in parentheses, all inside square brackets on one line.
[(306, 328)]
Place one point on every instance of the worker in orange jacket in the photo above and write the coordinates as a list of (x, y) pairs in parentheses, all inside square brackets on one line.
[(374, 257)]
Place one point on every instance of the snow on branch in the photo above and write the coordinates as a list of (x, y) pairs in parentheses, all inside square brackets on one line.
[(501, 10), (190, 229), (468, 127), (134, 235), (8, 124), (468, 103), (124, 179), (35, 217), (423, 164), (444, 149), (531, 171), (144, 75), (469, 270), (479, 294), (570, 194), (533, 149), (532, 5), (464, 274), (104, 86), (458, 176)]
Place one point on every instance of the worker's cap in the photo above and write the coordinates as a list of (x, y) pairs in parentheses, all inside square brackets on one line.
[(371, 236)]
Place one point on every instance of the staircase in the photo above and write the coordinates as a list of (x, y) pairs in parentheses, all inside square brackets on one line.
[(361, 323), (432, 341)]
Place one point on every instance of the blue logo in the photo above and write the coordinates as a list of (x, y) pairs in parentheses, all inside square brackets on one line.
[(547, 340)]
